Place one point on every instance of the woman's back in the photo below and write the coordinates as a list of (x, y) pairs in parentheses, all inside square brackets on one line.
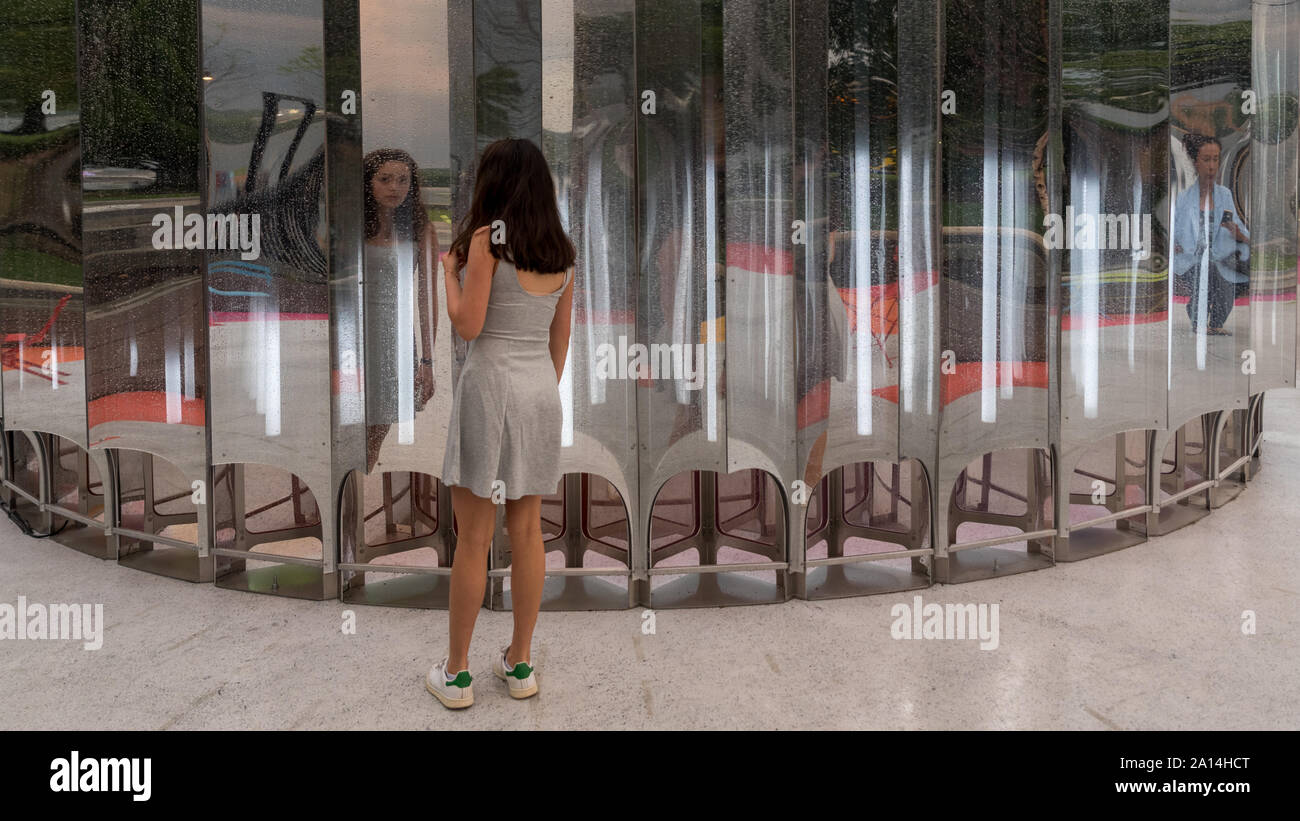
[(506, 411), (518, 314)]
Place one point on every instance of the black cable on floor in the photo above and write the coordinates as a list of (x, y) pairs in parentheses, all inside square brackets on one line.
[(17, 518)]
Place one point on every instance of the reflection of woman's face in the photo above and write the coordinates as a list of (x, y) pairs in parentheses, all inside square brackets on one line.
[(390, 184), (1207, 163)]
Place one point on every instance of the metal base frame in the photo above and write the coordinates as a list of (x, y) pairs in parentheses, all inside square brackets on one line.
[(1085, 540), (988, 558), (708, 583), (1186, 504), (242, 567), (839, 575)]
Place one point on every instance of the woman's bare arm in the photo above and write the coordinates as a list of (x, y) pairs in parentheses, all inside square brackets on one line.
[(467, 307), (561, 324)]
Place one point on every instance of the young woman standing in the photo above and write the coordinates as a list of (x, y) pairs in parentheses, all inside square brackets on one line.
[(513, 308)]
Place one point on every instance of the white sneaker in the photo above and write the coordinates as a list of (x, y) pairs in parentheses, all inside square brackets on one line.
[(454, 694), (521, 679)]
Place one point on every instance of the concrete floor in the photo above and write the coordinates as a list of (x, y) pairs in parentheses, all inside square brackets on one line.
[(1146, 638)]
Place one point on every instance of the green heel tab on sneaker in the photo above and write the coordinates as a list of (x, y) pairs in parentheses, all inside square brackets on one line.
[(520, 665), (462, 679)]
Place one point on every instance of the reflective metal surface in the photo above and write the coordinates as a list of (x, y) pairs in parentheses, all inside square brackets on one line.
[(146, 340), (41, 306), (994, 386), (682, 415), (1109, 236), (394, 343), (268, 295), (1114, 279), (588, 110), (1275, 233), (846, 272), (974, 303), (759, 330), (406, 365), (684, 422), (1209, 274), (507, 54), (920, 84)]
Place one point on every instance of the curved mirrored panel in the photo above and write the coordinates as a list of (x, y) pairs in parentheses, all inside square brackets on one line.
[(847, 277), (760, 309), (1275, 234), (41, 308), (588, 138), (993, 311), (1114, 88), (682, 413), (919, 230), (266, 265), (1210, 224), (407, 224), (146, 340)]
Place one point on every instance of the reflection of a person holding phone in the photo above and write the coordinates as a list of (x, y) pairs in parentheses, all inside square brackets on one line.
[(401, 246), (1207, 230)]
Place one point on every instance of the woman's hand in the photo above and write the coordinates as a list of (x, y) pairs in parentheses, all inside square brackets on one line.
[(449, 262)]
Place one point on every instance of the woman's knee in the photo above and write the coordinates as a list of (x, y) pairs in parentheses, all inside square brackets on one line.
[(524, 522), (474, 537), (525, 529)]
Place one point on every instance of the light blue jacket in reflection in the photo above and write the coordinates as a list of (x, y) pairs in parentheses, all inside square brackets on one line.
[(1189, 233)]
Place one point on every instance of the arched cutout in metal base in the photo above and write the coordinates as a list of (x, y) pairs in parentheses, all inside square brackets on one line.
[(702, 511), (157, 526), (1003, 489), (1231, 455), (587, 516), (1116, 470), (58, 489), (78, 496), (884, 504), (399, 551), (27, 478), (1255, 428), (1180, 495), (268, 533)]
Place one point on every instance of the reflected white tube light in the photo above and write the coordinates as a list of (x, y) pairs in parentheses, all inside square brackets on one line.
[(1089, 288), (404, 339), (861, 282), (172, 380), (989, 262)]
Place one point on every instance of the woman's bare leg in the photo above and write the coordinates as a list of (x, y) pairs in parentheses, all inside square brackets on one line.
[(475, 523), (527, 571)]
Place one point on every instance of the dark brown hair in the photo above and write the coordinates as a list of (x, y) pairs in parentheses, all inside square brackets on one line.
[(513, 184), (1193, 143)]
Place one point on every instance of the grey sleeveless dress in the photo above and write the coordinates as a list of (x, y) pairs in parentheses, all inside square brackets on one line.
[(505, 410)]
